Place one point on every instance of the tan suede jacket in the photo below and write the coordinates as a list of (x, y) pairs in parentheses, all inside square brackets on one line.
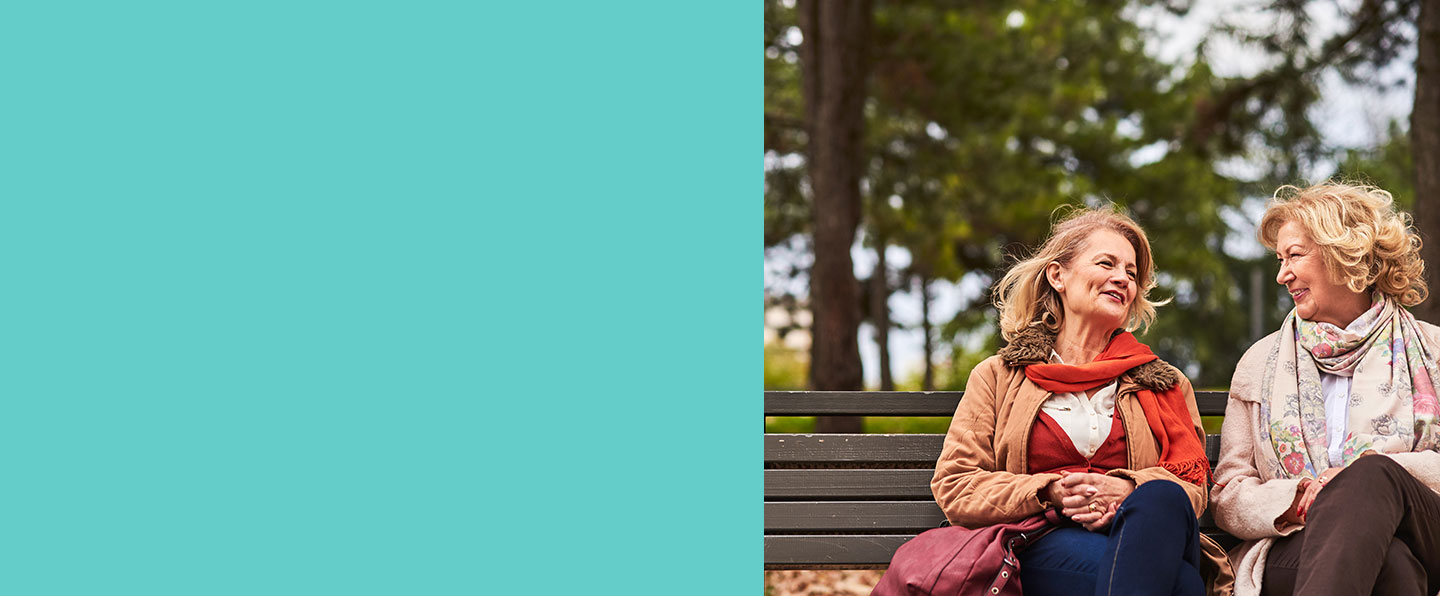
[(982, 477)]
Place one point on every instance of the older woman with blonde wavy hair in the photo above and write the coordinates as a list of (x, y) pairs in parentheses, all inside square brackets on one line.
[(1330, 457), (1077, 415)]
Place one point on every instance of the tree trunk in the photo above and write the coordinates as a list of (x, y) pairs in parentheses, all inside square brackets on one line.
[(1425, 141), (928, 384), (880, 313), (833, 70)]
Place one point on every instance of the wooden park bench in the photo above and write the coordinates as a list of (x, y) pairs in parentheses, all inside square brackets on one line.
[(847, 501)]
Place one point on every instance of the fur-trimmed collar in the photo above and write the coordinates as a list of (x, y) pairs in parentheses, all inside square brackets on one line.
[(1034, 344)]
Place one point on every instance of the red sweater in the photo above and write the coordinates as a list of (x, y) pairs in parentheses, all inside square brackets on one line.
[(1052, 451)]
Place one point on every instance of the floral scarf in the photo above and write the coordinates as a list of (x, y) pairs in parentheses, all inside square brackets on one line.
[(1392, 406)]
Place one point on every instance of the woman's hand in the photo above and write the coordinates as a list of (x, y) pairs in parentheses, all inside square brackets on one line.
[(1092, 499), (1293, 515), (1305, 494)]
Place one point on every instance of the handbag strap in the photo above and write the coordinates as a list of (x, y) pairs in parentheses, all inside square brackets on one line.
[(1010, 566)]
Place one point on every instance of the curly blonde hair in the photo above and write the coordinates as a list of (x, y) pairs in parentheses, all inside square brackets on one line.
[(1366, 243), (1024, 296)]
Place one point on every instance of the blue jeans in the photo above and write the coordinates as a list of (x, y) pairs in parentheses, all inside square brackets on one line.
[(1151, 547)]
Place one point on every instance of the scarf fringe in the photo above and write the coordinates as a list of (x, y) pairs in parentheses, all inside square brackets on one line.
[(1194, 471)]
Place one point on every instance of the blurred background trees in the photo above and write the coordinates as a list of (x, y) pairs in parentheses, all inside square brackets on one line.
[(926, 144)]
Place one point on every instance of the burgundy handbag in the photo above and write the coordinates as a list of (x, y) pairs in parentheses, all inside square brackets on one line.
[(964, 561)]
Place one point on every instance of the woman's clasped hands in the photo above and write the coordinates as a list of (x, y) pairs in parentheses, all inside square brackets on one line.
[(1091, 500)]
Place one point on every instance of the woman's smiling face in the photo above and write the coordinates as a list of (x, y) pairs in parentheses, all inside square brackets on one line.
[(1318, 298), (1098, 286)]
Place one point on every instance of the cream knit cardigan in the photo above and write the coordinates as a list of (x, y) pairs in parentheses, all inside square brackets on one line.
[(1246, 501)]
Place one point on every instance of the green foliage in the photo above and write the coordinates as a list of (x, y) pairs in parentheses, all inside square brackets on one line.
[(984, 118), (786, 212), (790, 424), (786, 369), (907, 425)]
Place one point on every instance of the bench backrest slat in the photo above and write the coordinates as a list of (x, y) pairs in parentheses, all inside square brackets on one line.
[(908, 403), (867, 403), (794, 448), (852, 516), (847, 484)]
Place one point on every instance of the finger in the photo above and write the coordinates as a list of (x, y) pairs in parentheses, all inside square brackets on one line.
[(1307, 500), (1082, 490), (1104, 521), (1074, 501), (1085, 478)]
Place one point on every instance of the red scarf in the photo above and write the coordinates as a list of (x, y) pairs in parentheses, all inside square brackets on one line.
[(1167, 412)]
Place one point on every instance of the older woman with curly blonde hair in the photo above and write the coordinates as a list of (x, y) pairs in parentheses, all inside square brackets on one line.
[(1330, 457)]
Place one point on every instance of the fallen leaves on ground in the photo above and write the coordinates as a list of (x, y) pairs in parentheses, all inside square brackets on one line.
[(820, 583)]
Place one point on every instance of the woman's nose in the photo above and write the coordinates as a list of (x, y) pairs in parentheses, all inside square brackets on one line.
[(1283, 274)]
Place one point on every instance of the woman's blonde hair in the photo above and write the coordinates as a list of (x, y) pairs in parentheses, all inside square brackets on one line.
[(1024, 295), (1365, 242)]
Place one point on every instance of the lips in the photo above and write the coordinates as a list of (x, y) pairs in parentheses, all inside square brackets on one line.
[(1114, 294), (1296, 295)]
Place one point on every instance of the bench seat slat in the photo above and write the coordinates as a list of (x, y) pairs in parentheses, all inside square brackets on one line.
[(852, 516), (848, 484), (852, 448)]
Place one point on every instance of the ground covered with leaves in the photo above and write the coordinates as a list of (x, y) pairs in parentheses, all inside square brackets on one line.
[(820, 583)]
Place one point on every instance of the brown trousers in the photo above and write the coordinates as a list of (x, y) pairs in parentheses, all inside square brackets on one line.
[(1374, 529)]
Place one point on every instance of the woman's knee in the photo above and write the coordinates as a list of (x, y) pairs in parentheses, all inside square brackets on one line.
[(1065, 551), (1359, 484), (1366, 473)]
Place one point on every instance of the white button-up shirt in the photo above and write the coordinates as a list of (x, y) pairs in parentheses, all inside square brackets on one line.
[(1086, 420), (1336, 389)]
